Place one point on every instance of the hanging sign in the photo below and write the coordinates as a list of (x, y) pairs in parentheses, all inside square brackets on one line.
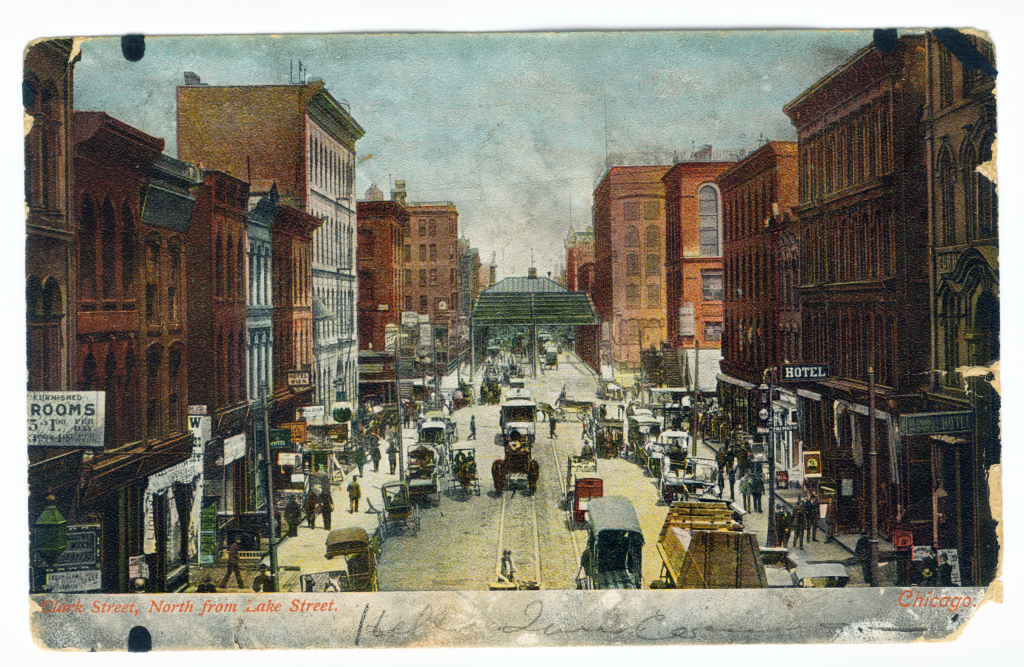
[(804, 372), (66, 418)]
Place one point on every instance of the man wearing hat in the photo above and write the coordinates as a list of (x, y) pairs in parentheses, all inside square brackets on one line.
[(263, 583), (233, 561)]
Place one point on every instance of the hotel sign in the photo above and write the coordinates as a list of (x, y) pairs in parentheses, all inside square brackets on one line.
[(937, 423), (804, 372), (299, 378)]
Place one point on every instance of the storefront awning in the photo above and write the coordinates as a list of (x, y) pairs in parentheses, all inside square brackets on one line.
[(731, 380)]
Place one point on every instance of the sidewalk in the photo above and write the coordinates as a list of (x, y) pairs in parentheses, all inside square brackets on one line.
[(839, 550)]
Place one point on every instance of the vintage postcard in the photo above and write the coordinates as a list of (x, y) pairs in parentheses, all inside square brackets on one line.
[(511, 339)]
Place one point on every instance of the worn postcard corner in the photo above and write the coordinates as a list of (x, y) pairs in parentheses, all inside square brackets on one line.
[(511, 339)]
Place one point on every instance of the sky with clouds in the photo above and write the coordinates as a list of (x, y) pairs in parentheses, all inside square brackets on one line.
[(513, 128)]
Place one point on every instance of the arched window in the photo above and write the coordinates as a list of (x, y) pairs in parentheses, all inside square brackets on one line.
[(709, 206), (152, 280), (653, 267), (87, 249), (632, 236), (988, 199), (174, 283), (632, 264), (154, 415), (653, 236), (108, 243), (218, 261), (240, 269), (113, 413), (45, 309), (947, 200), (127, 250)]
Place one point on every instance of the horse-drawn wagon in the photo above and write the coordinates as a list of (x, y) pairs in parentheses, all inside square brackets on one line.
[(423, 474), (398, 511), (581, 485), (463, 471)]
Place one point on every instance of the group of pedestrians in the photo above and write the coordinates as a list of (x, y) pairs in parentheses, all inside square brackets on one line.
[(800, 524)]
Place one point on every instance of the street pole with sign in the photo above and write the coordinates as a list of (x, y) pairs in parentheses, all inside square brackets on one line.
[(873, 453), (766, 418), (268, 471)]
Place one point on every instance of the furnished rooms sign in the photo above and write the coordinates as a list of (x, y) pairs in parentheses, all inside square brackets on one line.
[(66, 418)]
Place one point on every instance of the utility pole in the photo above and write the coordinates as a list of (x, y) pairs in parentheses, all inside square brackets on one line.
[(398, 399), (773, 534), (874, 468), (693, 396), (270, 488)]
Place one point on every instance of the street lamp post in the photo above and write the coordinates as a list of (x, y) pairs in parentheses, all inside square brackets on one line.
[(270, 488), (51, 538), (773, 535)]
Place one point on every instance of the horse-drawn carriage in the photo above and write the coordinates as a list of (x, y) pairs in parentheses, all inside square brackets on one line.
[(463, 471), (581, 484), (423, 473), (567, 408), (398, 511), (490, 390), (613, 558)]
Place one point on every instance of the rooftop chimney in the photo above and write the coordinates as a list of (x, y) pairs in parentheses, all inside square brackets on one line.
[(533, 272), (192, 79)]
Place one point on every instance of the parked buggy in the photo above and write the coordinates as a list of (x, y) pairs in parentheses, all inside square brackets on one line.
[(464, 475), (422, 470), (356, 572), (399, 511), (614, 554)]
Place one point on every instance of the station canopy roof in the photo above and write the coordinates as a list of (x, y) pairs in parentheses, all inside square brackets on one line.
[(527, 301)]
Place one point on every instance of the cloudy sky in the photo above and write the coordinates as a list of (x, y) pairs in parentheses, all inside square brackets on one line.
[(513, 128)]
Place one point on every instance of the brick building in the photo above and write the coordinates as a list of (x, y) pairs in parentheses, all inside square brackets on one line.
[(629, 266), (51, 259), (761, 305), (693, 269), (864, 296), (219, 339), (383, 234), (579, 259), (304, 140), (134, 211), (953, 468)]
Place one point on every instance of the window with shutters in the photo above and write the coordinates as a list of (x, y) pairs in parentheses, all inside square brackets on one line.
[(631, 210), (632, 264), (652, 210), (653, 267)]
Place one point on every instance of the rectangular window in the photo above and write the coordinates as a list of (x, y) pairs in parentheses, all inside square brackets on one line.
[(631, 210), (713, 285), (712, 331), (433, 252), (423, 252), (408, 302), (433, 228), (408, 278), (651, 210), (423, 229), (653, 295), (423, 277), (433, 277), (407, 255), (423, 304), (633, 295)]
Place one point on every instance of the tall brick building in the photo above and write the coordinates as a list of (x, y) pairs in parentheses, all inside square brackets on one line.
[(864, 290), (761, 298), (302, 139), (960, 127), (629, 263), (693, 269)]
